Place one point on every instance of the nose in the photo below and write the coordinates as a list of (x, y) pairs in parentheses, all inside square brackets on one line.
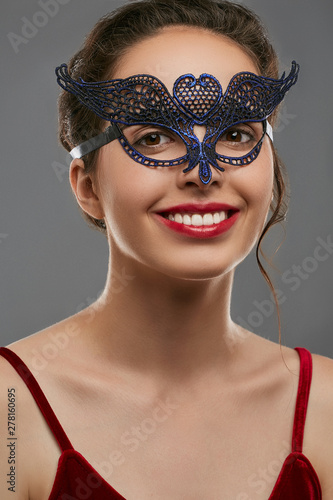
[(202, 155), (199, 173)]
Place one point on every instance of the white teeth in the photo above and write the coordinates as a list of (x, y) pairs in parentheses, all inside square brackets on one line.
[(216, 218), (187, 219), (208, 219), (197, 220)]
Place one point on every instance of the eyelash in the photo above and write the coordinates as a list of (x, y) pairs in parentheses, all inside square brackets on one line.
[(139, 141), (150, 134), (249, 133)]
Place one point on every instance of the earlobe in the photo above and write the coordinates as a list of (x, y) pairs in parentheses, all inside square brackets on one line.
[(84, 189)]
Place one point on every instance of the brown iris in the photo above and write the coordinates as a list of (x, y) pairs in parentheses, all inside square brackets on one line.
[(234, 136), (152, 140)]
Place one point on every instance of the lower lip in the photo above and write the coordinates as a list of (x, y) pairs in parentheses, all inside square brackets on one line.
[(201, 232)]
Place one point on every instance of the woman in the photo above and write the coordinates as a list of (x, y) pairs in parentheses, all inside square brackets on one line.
[(157, 392)]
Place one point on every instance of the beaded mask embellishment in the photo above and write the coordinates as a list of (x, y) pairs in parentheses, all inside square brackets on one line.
[(235, 121)]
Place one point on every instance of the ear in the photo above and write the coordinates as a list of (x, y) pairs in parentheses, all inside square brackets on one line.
[(84, 189)]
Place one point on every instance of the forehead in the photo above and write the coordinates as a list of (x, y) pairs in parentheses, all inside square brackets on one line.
[(178, 50)]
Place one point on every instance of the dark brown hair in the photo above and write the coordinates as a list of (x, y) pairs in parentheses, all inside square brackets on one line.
[(119, 30)]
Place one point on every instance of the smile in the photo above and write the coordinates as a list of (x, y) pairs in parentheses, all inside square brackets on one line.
[(197, 220), (200, 221)]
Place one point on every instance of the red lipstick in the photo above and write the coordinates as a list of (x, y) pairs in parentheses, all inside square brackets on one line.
[(201, 231)]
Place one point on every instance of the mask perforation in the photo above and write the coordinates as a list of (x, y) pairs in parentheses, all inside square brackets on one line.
[(143, 99)]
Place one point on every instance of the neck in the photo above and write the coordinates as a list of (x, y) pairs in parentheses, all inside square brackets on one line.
[(169, 328)]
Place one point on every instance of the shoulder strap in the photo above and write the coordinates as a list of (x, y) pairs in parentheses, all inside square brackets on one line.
[(304, 385), (39, 397)]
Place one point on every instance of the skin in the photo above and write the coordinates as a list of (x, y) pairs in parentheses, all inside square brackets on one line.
[(191, 276), (165, 331)]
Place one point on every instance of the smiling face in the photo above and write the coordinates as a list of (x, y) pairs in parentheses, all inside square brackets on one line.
[(155, 215)]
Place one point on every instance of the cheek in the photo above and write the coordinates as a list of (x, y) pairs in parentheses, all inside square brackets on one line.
[(119, 178), (254, 186), (127, 190), (257, 182)]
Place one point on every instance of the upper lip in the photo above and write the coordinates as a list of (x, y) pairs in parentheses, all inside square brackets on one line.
[(199, 208)]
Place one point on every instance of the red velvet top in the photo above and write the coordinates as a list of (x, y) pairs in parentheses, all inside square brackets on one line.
[(76, 478)]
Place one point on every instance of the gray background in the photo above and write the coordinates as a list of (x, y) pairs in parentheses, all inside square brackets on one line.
[(52, 264)]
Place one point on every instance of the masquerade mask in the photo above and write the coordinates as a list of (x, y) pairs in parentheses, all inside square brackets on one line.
[(156, 129)]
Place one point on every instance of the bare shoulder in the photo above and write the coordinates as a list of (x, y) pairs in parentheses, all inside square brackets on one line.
[(318, 431), (323, 370), (318, 436), (321, 397), (45, 354), (47, 348)]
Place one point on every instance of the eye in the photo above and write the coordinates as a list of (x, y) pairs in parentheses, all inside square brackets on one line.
[(154, 139), (237, 135)]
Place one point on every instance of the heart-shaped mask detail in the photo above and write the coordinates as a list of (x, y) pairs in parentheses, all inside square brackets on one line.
[(197, 96)]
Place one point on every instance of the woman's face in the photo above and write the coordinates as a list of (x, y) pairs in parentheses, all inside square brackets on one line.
[(134, 196)]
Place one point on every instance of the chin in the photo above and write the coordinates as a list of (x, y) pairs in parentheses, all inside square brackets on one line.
[(199, 272)]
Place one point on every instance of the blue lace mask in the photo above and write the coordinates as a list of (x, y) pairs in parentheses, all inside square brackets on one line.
[(156, 129)]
